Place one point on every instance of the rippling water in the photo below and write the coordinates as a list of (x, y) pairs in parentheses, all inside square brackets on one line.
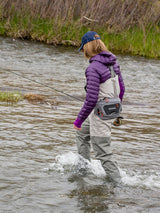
[(37, 143)]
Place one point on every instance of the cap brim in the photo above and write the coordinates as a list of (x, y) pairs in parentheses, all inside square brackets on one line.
[(80, 47)]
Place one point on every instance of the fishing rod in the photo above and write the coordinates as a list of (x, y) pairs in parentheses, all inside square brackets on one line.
[(117, 122), (71, 96)]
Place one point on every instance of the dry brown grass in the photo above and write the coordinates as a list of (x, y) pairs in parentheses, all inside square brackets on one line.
[(113, 14), (34, 97)]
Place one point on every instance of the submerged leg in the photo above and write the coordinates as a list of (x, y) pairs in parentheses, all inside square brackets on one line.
[(102, 149)]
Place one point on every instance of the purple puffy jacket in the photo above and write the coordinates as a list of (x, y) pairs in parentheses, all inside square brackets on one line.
[(97, 73)]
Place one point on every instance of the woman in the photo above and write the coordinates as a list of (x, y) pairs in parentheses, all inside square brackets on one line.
[(99, 85)]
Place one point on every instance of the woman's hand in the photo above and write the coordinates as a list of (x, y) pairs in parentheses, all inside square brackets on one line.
[(75, 127)]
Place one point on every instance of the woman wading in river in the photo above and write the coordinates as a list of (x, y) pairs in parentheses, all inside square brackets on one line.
[(99, 85)]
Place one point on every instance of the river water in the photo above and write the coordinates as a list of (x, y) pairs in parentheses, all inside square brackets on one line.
[(38, 153)]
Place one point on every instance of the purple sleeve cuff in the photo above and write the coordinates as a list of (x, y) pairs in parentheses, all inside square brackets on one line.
[(78, 123)]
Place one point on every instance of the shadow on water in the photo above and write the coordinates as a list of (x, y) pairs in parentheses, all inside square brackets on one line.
[(102, 198), (92, 198)]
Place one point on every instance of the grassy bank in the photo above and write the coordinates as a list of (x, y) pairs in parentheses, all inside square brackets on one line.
[(125, 26), (10, 97), (15, 96)]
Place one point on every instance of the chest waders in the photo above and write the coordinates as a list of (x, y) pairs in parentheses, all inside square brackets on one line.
[(97, 132)]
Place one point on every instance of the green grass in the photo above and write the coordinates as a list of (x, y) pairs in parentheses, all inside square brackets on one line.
[(12, 97), (134, 41)]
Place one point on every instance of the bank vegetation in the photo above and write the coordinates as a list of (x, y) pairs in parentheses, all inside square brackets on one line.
[(127, 26)]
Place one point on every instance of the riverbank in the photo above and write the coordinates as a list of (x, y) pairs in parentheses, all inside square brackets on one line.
[(129, 30)]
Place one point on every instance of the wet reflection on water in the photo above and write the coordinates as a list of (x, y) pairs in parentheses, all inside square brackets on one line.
[(37, 141)]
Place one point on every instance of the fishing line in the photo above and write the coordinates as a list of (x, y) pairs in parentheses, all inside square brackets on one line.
[(116, 123), (66, 94)]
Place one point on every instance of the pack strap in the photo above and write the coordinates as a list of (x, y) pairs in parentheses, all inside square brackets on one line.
[(113, 74)]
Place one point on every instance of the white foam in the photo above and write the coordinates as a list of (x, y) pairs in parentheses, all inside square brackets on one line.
[(67, 161), (148, 180)]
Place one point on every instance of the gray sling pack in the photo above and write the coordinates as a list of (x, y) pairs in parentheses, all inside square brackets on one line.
[(108, 108)]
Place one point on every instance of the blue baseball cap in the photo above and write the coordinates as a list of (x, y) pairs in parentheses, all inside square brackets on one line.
[(89, 36)]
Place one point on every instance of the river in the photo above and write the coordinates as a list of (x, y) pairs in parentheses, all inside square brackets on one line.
[(38, 153)]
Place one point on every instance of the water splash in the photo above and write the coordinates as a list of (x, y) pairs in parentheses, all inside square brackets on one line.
[(67, 162), (148, 180)]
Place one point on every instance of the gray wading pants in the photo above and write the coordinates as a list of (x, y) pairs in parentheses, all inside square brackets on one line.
[(98, 132)]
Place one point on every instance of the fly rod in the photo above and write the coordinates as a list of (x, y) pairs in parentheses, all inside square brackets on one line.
[(66, 94)]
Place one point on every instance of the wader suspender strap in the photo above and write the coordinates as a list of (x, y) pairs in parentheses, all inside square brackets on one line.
[(113, 75)]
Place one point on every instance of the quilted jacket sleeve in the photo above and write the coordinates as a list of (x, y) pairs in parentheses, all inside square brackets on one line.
[(93, 82)]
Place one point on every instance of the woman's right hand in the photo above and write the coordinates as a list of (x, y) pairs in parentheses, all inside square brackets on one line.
[(75, 127)]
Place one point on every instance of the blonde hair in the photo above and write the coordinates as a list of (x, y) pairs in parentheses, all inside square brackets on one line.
[(94, 47)]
